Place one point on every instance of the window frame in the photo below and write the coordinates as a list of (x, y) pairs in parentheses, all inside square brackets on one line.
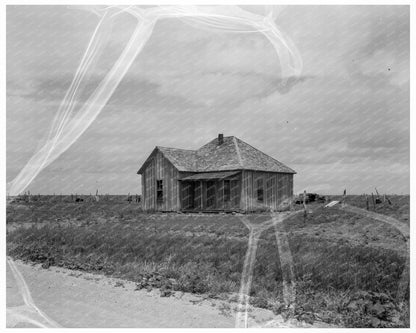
[(159, 190), (260, 189)]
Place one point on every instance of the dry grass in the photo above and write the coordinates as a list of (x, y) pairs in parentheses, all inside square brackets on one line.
[(337, 255)]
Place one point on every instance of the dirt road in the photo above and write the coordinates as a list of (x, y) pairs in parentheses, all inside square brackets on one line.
[(71, 300), (58, 297)]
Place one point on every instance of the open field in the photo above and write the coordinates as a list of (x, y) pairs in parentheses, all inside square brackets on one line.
[(347, 266)]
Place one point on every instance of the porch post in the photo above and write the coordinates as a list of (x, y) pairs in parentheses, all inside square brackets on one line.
[(202, 195)]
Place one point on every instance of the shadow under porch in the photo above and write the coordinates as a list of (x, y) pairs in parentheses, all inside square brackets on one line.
[(211, 192)]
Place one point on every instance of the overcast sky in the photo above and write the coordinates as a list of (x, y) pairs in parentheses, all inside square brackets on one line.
[(343, 123)]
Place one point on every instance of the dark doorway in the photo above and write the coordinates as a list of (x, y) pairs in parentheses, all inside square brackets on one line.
[(210, 195)]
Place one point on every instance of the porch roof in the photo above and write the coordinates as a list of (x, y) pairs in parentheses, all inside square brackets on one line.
[(211, 175)]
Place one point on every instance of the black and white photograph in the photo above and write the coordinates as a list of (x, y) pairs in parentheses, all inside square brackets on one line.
[(197, 165)]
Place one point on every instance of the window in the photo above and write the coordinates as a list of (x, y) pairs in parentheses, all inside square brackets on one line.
[(227, 191), (159, 190), (260, 190)]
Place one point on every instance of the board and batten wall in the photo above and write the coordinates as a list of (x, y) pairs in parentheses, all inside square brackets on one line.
[(159, 168), (277, 188)]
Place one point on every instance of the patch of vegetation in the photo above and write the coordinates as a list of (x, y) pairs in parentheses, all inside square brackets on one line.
[(337, 281), (398, 207)]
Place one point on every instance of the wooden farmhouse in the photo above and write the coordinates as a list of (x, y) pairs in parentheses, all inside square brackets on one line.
[(226, 174)]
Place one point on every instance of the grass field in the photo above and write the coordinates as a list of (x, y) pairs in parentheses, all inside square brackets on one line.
[(347, 267)]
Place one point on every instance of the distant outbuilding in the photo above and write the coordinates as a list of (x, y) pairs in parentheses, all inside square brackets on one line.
[(226, 174)]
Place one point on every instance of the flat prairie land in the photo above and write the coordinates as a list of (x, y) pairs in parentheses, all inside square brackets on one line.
[(347, 267)]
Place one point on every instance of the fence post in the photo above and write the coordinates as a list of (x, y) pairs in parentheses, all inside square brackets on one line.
[(344, 197), (304, 207)]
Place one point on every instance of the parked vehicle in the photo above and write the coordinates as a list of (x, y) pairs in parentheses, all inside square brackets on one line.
[(310, 197)]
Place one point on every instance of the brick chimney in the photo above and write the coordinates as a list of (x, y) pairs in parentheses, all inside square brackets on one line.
[(220, 139)]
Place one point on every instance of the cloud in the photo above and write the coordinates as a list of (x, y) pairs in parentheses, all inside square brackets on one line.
[(383, 51), (345, 122), (132, 91), (221, 89), (385, 65), (330, 122)]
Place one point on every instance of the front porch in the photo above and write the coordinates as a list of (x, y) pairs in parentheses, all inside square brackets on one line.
[(211, 192)]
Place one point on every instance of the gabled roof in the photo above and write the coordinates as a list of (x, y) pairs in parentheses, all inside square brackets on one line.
[(182, 159), (232, 154)]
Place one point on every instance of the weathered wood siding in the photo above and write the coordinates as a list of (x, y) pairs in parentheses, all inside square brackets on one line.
[(277, 187), (159, 168), (186, 195)]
